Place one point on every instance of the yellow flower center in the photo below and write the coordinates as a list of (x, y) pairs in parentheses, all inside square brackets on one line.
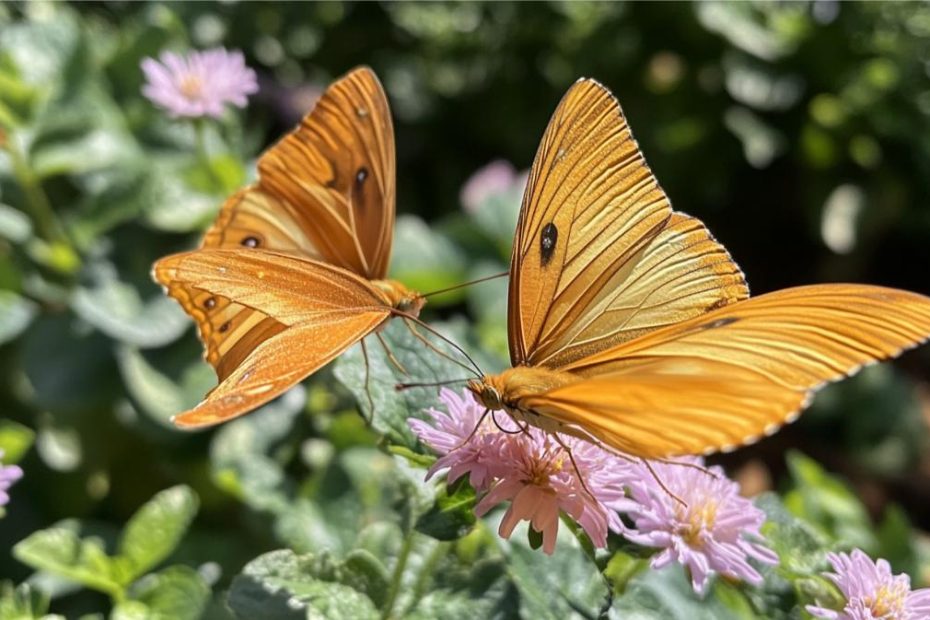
[(889, 600), (191, 87), (698, 518)]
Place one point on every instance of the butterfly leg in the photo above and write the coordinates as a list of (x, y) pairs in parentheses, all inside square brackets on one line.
[(520, 429), (571, 459), (371, 402), (474, 431), (662, 484), (413, 330), (390, 355), (700, 468)]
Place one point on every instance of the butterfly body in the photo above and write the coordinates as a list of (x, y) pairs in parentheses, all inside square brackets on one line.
[(399, 297), (629, 325)]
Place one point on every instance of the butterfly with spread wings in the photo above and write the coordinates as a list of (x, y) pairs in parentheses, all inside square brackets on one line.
[(323, 209), (631, 327)]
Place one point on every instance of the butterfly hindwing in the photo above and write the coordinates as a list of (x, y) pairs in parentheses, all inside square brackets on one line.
[(730, 376)]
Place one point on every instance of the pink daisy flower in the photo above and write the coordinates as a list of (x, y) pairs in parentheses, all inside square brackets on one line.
[(465, 448), (8, 475), (531, 470), (199, 84), (713, 531), (872, 592)]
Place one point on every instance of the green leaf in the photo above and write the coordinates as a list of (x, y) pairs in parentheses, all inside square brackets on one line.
[(176, 593), (452, 515), (156, 394), (155, 530), (16, 313), (116, 309), (97, 149), (222, 175), (557, 586), (393, 407), (828, 504), (424, 259), (60, 551), (15, 440), (15, 225), (23, 602), (169, 203), (667, 595), (621, 568), (282, 585), (241, 453), (41, 48)]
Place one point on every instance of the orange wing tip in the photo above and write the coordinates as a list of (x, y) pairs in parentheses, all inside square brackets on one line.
[(188, 422)]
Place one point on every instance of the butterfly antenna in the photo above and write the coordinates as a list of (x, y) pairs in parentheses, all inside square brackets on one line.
[(662, 484), (464, 284), (436, 349), (477, 369), (400, 387)]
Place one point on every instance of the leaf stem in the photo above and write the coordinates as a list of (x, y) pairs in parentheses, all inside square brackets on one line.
[(40, 208), (398, 575), (426, 571)]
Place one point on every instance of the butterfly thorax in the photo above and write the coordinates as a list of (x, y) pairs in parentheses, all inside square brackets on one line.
[(400, 297), (507, 389)]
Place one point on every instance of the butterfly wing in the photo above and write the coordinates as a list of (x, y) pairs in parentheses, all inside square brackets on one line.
[(326, 189), (295, 316), (726, 378), (599, 257), (310, 200)]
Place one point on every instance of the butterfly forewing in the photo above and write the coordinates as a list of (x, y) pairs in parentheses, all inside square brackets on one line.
[(325, 192), (727, 377), (319, 311), (335, 174)]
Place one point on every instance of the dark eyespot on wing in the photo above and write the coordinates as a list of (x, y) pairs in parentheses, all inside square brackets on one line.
[(547, 241), (209, 303), (251, 241), (361, 175), (224, 327), (719, 323)]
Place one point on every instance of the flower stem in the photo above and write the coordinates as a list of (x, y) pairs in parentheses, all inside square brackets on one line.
[(398, 575), (586, 545), (200, 146)]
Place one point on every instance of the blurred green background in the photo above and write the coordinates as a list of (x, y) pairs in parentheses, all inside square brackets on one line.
[(799, 132)]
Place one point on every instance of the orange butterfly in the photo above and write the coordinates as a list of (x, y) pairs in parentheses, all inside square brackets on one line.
[(292, 272), (631, 327)]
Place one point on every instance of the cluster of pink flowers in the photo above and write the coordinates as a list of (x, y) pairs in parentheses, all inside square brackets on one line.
[(200, 83), (871, 591), (696, 516)]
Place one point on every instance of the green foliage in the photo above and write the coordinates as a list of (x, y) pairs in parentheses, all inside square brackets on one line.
[(150, 536), (798, 132)]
